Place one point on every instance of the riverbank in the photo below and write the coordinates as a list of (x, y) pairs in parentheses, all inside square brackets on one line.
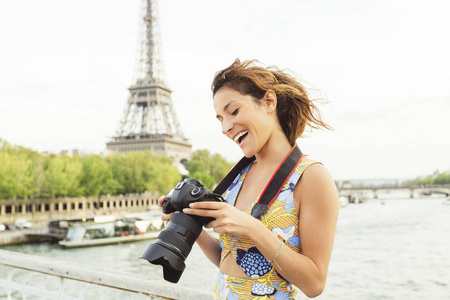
[(24, 236), (51, 232), (42, 210)]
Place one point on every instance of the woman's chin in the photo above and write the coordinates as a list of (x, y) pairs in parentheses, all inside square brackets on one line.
[(248, 152), (247, 147)]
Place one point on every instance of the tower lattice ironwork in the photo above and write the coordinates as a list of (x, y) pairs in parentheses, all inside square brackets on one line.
[(149, 121)]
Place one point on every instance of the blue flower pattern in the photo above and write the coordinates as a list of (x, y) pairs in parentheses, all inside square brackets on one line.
[(259, 289), (252, 262)]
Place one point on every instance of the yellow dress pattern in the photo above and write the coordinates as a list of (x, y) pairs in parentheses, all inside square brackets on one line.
[(281, 218)]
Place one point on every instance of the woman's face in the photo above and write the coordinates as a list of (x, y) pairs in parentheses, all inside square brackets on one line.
[(244, 121)]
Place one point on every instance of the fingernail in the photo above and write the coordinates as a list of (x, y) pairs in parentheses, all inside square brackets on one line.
[(185, 210)]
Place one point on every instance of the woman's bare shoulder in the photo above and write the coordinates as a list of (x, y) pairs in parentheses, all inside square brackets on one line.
[(316, 184)]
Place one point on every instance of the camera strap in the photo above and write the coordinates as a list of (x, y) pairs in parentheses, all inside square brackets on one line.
[(276, 183)]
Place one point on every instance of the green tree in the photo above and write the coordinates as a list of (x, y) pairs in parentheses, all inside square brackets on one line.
[(164, 175), (73, 170), (442, 178), (96, 178), (207, 168), (136, 172), (15, 178), (62, 177), (37, 173), (129, 170), (220, 167), (206, 179)]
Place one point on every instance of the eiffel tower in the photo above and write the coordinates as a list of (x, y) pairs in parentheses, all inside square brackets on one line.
[(149, 121)]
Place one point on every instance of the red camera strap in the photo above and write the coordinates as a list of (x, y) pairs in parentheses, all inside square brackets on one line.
[(275, 184)]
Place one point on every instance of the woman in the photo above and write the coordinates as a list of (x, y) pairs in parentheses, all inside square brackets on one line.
[(264, 111)]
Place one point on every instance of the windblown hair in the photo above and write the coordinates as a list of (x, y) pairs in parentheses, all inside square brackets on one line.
[(295, 110)]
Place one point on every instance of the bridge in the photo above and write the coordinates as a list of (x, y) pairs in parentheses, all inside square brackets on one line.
[(443, 189)]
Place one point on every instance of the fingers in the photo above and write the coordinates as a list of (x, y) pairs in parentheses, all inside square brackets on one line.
[(166, 217), (204, 209), (200, 212), (208, 205), (161, 200), (207, 209)]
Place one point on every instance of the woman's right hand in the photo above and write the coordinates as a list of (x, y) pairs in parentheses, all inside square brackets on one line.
[(164, 217)]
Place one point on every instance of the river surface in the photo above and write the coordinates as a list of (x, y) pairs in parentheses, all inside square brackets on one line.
[(387, 248)]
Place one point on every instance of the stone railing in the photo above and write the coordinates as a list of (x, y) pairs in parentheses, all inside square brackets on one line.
[(24, 275)]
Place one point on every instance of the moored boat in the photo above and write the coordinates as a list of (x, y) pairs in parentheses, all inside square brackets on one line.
[(121, 230), (344, 200)]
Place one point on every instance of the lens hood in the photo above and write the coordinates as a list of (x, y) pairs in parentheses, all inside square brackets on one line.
[(173, 245), (159, 253)]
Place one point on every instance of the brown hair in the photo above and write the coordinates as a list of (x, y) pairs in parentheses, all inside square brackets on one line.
[(294, 108)]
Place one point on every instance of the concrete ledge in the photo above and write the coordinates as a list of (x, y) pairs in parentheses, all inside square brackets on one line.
[(14, 237), (99, 276)]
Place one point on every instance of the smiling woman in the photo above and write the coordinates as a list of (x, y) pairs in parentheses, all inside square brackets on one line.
[(252, 117), (264, 111), (294, 109)]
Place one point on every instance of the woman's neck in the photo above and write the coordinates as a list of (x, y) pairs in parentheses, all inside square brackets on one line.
[(273, 152)]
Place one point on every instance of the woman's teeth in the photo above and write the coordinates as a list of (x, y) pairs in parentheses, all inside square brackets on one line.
[(239, 135)]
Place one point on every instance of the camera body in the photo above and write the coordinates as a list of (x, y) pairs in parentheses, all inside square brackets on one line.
[(174, 242), (186, 192)]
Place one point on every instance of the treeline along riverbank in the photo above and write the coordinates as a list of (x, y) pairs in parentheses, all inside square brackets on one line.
[(27, 174)]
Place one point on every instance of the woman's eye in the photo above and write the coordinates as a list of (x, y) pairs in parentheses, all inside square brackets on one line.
[(235, 112)]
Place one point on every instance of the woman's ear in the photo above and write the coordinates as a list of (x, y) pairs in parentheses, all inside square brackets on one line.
[(270, 100)]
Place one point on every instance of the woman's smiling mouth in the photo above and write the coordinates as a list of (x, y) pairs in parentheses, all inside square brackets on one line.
[(240, 136)]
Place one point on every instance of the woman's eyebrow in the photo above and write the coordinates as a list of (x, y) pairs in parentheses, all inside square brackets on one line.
[(225, 108), (228, 104)]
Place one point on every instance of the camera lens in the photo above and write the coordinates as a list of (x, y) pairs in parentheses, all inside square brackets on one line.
[(173, 245)]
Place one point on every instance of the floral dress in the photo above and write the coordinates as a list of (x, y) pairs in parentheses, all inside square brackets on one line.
[(282, 219)]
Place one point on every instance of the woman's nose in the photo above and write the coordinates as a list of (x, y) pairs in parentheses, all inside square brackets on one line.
[(226, 127)]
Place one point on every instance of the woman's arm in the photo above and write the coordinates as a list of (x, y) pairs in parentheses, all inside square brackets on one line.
[(210, 246)]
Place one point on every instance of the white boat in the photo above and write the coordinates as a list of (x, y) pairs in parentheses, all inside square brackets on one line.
[(359, 197), (112, 232), (344, 200)]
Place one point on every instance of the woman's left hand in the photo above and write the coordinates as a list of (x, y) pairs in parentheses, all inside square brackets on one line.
[(229, 219)]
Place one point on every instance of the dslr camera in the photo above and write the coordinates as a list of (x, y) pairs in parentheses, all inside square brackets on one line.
[(174, 242)]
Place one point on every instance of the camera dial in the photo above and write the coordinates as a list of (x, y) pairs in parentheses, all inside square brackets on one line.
[(196, 191)]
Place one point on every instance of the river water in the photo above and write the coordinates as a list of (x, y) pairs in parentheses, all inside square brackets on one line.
[(389, 248)]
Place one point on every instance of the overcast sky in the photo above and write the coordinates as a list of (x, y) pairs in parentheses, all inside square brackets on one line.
[(383, 66)]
